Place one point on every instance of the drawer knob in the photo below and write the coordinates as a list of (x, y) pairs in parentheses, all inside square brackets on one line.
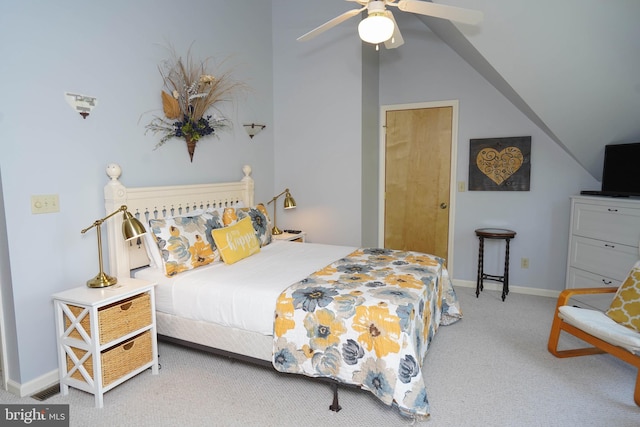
[(126, 306), (606, 282), (606, 245)]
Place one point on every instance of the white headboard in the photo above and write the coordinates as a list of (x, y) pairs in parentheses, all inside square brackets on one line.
[(157, 202)]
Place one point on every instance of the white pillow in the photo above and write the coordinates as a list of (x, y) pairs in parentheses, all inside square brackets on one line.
[(153, 252)]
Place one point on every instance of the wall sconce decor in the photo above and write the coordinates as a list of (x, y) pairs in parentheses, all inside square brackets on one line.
[(83, 104), (253, 129), (131, 229), (289, 203)]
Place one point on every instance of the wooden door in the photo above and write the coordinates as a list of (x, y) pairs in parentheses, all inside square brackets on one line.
[(417, 179)]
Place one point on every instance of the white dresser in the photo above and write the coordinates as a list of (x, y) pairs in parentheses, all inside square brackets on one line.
[(603, 244)]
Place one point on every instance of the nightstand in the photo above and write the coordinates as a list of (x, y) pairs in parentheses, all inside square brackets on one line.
[(105, 336), (291, 237)]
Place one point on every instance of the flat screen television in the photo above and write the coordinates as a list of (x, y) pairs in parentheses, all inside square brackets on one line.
[(621, 171)]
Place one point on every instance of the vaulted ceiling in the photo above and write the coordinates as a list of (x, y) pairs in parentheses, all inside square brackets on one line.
[(572, 66)]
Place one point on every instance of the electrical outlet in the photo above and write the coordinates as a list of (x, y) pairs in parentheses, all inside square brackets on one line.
[(462, 186), (524, 262), (45, 203)]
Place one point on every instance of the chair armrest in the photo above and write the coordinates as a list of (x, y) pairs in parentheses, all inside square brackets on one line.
[(567, 294)]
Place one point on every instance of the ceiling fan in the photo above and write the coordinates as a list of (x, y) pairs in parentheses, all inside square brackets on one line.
[(380, 25)]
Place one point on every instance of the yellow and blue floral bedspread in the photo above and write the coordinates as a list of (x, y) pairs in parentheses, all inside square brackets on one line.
[(367, 319)]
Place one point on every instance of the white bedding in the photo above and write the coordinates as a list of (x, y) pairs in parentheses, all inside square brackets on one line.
[(242, 295)]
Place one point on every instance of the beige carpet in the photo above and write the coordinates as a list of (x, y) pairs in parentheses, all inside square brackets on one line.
[(490, 369)]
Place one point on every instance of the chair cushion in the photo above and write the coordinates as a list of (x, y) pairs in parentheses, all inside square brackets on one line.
[(599, 325), (625, 307)]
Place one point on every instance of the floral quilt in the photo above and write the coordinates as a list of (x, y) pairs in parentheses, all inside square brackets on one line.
[(367, 319)]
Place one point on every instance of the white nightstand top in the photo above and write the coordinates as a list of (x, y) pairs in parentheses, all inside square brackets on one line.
[(290, 236), (92, 296)]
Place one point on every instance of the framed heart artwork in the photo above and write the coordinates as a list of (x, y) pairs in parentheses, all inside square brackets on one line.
[(500, 164)]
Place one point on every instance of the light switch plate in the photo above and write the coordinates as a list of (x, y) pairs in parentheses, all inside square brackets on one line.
[(45, 203)]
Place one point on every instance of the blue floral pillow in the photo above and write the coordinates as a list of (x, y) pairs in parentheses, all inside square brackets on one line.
[(260, 223), (186, 242)]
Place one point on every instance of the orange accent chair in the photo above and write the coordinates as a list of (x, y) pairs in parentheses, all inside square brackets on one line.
[(595, 328)]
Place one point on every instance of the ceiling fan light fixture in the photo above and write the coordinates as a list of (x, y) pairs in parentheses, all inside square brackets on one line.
[(376, 28)]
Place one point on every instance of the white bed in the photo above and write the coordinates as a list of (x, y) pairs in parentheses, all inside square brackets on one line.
[(258, 308), (130, 259), (245, 297)]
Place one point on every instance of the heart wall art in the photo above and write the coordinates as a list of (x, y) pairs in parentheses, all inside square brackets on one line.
[(500, 164)]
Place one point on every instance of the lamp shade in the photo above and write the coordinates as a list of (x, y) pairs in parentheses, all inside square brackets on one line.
[(376, 28), (289, 202), (131, 227)]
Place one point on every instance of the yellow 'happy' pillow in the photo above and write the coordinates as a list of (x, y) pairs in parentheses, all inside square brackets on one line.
[(237, 241), (625, 307)]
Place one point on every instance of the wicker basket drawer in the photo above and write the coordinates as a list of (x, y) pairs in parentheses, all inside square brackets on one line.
[(115, 320), (125, 357), (124, 317), (116, 361)]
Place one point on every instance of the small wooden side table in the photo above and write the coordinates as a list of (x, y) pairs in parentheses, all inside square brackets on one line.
[(493, 233)]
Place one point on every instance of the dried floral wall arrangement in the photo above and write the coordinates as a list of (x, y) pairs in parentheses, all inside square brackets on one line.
[(190, 101)]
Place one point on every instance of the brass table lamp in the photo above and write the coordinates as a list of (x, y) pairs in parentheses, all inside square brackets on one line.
[(289, 203), (131, 229)]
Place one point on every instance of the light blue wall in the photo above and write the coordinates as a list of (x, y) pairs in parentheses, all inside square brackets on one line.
[(8, 319), (318, 115), (425, 69), (310, 95), (110, 50)]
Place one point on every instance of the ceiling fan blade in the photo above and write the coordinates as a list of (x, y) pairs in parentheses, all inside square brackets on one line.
[(458, 14), (330, 24), (396, 39)]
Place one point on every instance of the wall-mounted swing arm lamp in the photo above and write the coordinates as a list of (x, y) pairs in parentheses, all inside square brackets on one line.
[(131, 229), (289, 203)]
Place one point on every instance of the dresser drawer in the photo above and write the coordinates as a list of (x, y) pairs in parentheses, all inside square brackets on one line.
[(602, 258), (577, 278), (582, 279), (607, 222)]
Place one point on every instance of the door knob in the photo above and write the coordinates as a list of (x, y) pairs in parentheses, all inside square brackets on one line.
[(443, 205)]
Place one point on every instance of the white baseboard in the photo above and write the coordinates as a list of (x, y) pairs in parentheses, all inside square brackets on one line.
[(33, 386), (515, 289)]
